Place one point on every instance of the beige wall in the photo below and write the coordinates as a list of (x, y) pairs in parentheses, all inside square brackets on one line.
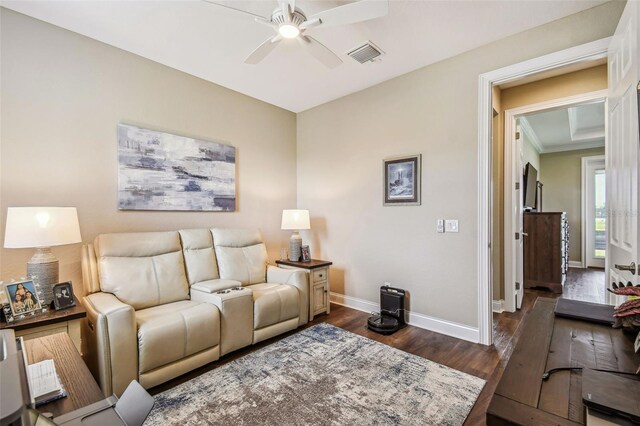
[(562, 191), (530, 154), (62, 97), (433, 111), (573, 83)]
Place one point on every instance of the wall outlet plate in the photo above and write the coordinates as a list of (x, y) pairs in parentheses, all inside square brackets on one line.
[(451, 225), (440, 226)]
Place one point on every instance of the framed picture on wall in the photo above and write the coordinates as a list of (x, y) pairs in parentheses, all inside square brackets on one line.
[(402, 177), (163, 171)]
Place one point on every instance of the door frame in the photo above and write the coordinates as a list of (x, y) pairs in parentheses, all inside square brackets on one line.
[(586, 163), (586, 52), (510, 244)]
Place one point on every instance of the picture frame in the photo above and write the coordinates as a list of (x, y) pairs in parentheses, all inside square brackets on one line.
[(402, 180), (63, 296), (306, 254), (23, 297), (160, 171)]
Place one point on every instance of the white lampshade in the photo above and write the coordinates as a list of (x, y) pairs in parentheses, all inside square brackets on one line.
[(29, 227), (295, 219)]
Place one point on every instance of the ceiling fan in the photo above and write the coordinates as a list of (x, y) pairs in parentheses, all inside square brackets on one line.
[(290, 22)]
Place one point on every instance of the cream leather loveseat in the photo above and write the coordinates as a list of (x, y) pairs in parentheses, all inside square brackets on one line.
[(160, 304)]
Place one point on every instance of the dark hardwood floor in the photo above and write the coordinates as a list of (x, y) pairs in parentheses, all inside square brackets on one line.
[(487, 362), (585, 284)]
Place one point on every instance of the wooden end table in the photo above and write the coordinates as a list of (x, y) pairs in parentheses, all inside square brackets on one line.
[(64, 321), (320, 286), (81, 387)]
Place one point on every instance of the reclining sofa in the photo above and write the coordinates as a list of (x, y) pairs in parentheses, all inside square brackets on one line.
[(160, 304)]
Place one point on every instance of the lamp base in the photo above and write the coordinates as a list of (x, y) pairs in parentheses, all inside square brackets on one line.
[(295, 247), (43, 269)]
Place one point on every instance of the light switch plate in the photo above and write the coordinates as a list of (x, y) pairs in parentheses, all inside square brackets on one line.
[(451, 225), (440, 226)]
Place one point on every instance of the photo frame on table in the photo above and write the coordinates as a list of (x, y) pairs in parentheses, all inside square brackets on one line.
[(402, 178), (306, 254), (23, 297), (63, 296)]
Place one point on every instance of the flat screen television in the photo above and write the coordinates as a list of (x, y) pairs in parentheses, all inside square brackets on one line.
[(530, 186)]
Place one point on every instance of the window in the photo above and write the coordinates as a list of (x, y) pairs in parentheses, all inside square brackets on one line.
[(600, 243)]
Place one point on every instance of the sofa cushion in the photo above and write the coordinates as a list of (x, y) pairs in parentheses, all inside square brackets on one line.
[(142, 269), (241, 255), (273, 303), (211, 286), (245, 264), (199, 257), (136, 244), (230, 237), (173, 331)]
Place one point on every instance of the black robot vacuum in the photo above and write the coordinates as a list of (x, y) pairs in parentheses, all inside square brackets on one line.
[(392, 312)]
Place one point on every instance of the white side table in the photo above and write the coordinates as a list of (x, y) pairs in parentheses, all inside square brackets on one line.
[(319, 283)]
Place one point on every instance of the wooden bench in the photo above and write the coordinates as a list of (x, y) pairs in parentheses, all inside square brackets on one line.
[(547, 342)]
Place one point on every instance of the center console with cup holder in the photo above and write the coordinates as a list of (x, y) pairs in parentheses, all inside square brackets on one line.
[(236, 315)]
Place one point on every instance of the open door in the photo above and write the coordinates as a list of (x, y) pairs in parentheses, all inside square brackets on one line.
[(623, 150)]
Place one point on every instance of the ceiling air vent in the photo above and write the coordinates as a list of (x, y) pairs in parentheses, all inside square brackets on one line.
[(365, 52)]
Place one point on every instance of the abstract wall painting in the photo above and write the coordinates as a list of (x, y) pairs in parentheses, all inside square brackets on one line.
[(161, 171), (402, 177)]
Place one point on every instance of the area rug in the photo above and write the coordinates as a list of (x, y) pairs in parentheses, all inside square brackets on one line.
[(323, 375)]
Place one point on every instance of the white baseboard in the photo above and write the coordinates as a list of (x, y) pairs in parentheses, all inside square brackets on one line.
[(449, 328), (498, 306), (575, 264)]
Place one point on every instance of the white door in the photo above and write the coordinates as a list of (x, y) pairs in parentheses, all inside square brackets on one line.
[(623, 150), (595, 212), (519, 220)]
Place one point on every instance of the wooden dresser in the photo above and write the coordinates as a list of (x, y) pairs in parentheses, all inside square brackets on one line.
[(546, 250)]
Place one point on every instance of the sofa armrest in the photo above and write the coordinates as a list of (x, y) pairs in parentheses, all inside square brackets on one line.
[(296, 278), (112, 342)]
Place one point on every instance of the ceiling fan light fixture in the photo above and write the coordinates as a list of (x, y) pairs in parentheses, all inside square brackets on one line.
[(288, 31)]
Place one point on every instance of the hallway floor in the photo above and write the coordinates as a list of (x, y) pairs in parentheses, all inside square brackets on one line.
[(585, 284)]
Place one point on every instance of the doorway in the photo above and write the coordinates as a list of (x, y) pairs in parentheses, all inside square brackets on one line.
[(545, 143), (593, 51), (622, 228)]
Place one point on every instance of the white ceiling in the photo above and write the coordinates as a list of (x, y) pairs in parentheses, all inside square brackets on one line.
[(566, 129), (211, 42)]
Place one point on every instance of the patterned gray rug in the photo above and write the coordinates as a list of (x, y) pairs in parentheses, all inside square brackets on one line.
[(323, 375)]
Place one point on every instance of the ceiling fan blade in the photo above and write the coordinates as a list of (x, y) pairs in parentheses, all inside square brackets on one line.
[(263, 50), (320, 51), (351, 13), (236, 9), (267, 22)]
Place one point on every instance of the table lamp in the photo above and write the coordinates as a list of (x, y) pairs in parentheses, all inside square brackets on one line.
[(295, 220), (42, 228)]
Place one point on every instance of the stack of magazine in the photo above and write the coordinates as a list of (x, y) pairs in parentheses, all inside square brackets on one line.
[(44, 383)]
